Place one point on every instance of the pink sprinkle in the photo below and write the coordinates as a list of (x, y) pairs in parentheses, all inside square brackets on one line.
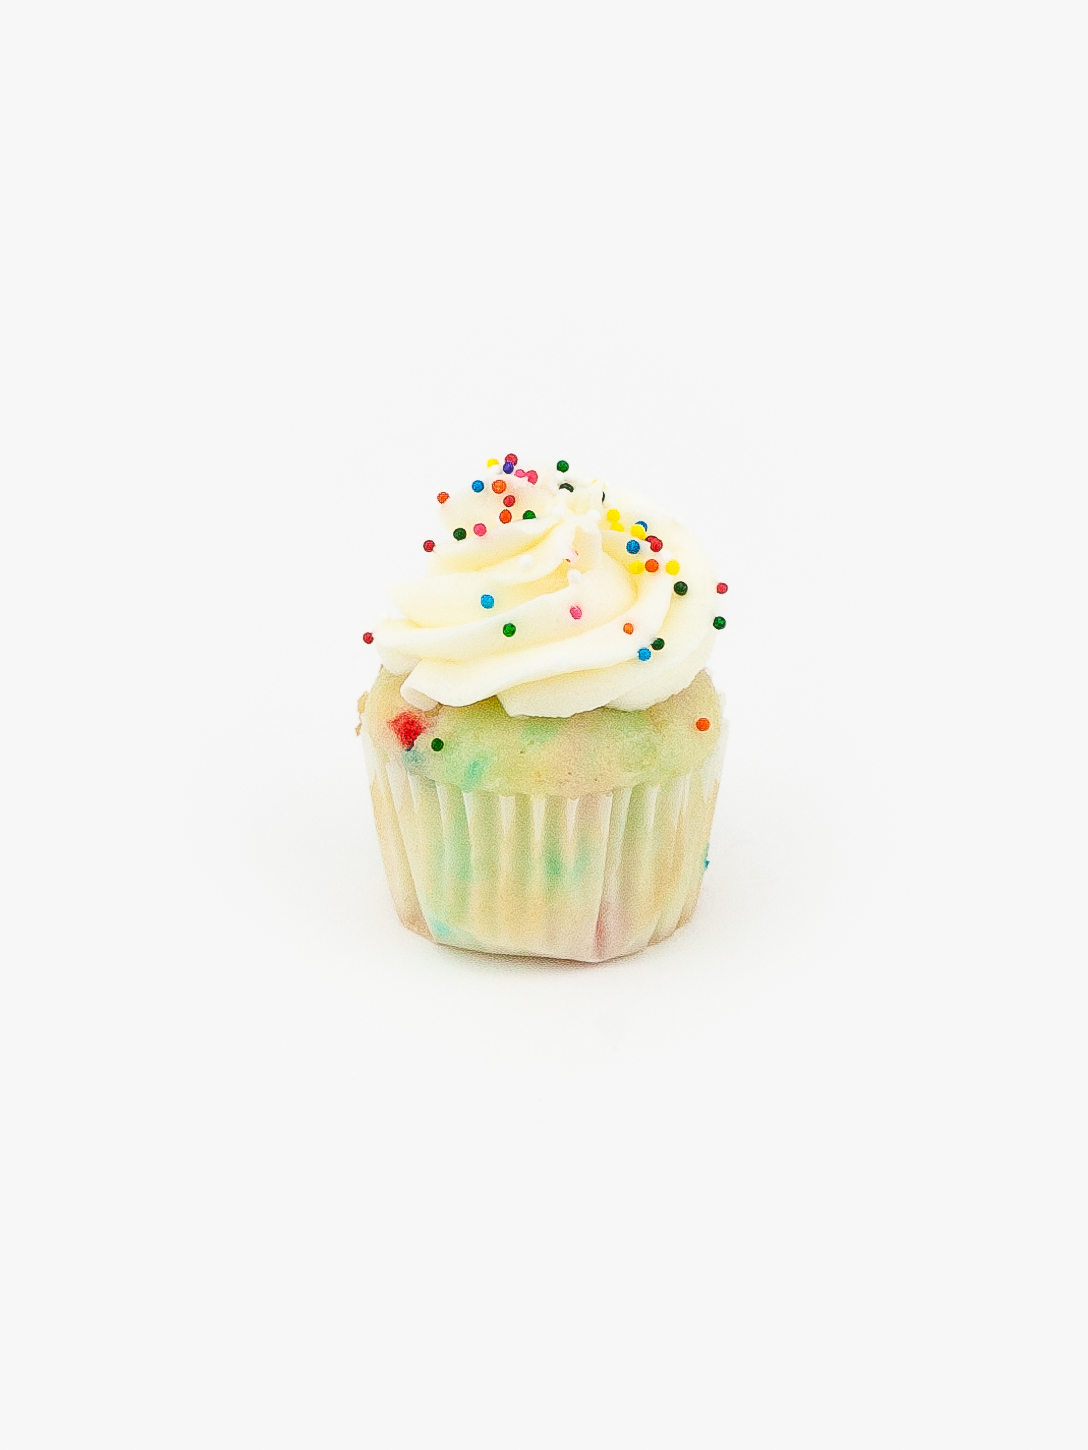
[(532, 475), (479, 529), (519, 473), (576, 611), (510, 501)]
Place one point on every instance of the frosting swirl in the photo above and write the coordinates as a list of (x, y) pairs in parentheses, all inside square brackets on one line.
[(557, 594)]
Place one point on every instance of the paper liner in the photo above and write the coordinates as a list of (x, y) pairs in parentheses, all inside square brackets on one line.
[(540, 875)]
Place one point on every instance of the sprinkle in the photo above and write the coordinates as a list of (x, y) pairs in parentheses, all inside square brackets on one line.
[(569, 486), (442, 497), (652, 566), (519, 473), (479, 529), (509, 629), (617, 528), (492, 463), (499, 486), (508, 468), (644, 654), (633, 546), (702, 723), (437, 744), (488, 601), (511, 458), (657, 644), (459, 533), (640, 524), (509, 501), (679, 587), (672, 567), (407, 727), (428, 544), (478, 485), (528, 514), (655, 543), (613, 515), (719, 622), (638, 530), (532, 475), (636, 566), (562, 465), (628, 629), (723, 588), (505, 516), (575, 613), (368, 638)]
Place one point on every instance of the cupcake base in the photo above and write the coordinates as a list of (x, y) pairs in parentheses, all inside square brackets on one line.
[(580, 879)]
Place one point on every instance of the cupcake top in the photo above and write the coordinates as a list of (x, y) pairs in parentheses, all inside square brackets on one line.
[(555, 592)]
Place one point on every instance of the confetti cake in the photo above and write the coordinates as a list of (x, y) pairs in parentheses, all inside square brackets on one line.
[(543, 739)]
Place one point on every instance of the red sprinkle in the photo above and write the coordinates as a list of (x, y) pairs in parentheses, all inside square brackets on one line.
[(428, 544), (576, 611), (509, 500), (407, 727), (368, 638), (723, 588), (480, 529), (532, 475), (442, 497), (505, 516), (655, 543), (511, 458)]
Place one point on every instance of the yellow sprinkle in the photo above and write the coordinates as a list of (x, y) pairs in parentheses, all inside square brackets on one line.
[(491, 462), (636, 566), (613, 516), (672, 567), (617, 528), (638, 531)]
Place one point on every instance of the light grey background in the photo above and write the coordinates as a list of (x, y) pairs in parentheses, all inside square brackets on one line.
[(279, 1173)]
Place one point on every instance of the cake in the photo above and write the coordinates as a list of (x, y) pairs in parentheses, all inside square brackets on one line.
[(543, 739)]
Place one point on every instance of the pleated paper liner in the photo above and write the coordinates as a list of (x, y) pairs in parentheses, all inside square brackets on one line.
[(583, 880)]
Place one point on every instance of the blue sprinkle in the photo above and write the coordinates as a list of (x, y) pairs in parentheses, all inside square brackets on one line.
[(633, 546), (488, 601), (644, 654), (642, 523), (508, 468), (478, 486)]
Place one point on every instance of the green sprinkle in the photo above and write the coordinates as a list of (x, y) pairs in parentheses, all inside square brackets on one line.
[(567, 485), (528, 514), (562, 465), (719, 622), (657, 644), (679, 587), (437, 744), (459, 533), (509, 629)]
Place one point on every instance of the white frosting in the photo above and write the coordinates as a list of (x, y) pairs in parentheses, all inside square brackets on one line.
[(570, 555)]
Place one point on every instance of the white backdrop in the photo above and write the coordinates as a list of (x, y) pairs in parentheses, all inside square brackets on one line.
[(280, 1173)]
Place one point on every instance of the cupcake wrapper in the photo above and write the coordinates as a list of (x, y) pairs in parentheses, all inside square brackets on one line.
[(582, 879)]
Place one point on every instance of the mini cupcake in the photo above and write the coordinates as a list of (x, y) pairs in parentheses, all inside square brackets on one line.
[(544, 742)]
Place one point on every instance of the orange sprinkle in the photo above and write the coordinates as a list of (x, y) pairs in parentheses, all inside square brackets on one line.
[(702, 723), (442, 497), (499, 486), (505, 516), (652, 566), (628, 629)]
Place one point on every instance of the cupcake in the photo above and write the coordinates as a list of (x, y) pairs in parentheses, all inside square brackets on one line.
[(543, 739)]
